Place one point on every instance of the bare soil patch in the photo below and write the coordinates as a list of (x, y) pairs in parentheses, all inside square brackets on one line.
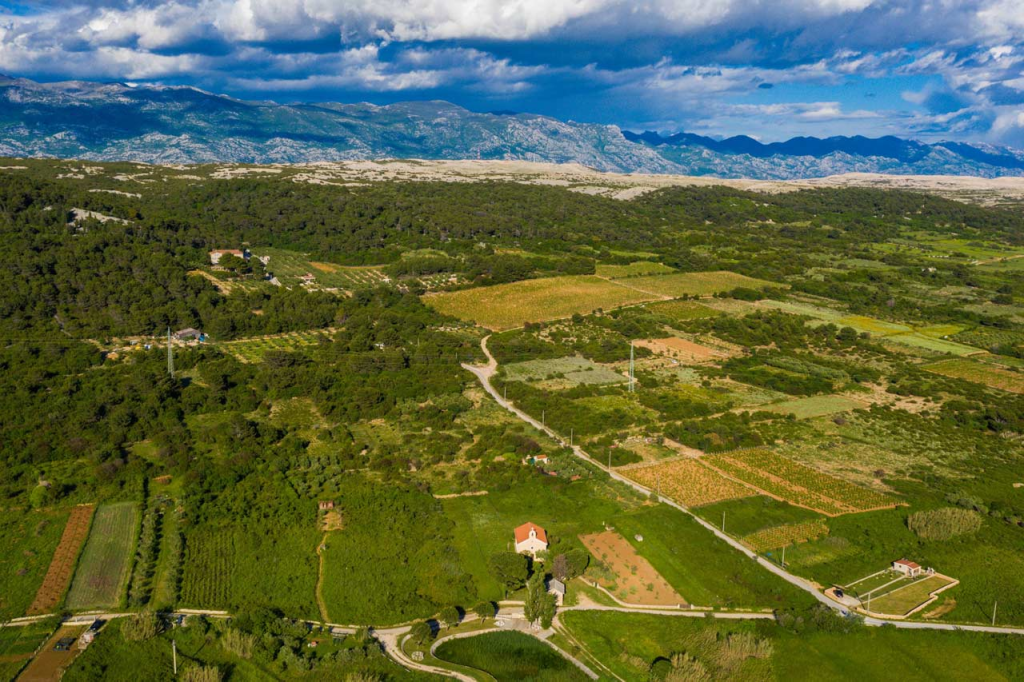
[(636, 580), (49, 665), (685, 351)]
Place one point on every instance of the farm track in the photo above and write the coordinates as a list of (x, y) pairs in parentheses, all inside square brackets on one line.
[(484, 374), (62, 565)]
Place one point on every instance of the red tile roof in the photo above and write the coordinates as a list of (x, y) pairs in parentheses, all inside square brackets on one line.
[(523, 533), (908, 563)]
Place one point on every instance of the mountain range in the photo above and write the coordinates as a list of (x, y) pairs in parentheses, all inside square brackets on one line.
[(164, 124)]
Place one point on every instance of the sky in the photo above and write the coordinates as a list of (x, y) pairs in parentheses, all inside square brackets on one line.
[(771, 69)]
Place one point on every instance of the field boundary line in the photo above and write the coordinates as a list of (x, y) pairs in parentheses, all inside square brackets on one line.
[(932, 598), (661, 297)]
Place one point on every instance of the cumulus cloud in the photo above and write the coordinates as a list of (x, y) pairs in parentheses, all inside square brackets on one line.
[(959, 64)]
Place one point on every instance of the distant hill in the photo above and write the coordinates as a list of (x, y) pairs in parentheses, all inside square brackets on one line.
[(159, 124)]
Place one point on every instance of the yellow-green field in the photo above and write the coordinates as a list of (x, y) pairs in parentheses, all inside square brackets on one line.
[(695, 283), (633, 270), (979, 373), (815, 406), (507, 306)]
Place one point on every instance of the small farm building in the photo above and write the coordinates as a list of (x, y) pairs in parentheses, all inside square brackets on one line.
[(326, 504), (530, 539), (907, 568), (189, 334), (557, 588), (217, 254)]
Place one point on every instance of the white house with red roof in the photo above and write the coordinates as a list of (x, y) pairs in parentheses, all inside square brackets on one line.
[(907, 568), (530, 539), (217, 254)]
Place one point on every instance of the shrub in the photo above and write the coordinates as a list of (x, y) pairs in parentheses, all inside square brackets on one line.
[(943, 524), (201, 673), (239, 643), (140, 627)]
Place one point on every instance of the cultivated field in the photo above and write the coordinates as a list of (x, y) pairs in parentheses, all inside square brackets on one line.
[(573, 370), (797, 484), (681, 311), (289, 266), (695, 283), (635, 580), (788, 534), (252, 350), (49, 665), (686, 481), (979, 373), (637, 269), (907, 597), (507, 306), (103, 569), (58, 575), (685, 351), (815, 406)]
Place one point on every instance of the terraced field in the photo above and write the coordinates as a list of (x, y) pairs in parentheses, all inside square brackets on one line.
[(979, 373), (686, 481), (103, 569), (797, 484)]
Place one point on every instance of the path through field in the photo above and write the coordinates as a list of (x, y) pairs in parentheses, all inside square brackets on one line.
[(484, 374)]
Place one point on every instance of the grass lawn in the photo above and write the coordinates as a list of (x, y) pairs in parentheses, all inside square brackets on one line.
[(29, 539), (106, 559), (511, 657), (700, 566), (484, 524), (507, 306), (629, 643), (888, 654)]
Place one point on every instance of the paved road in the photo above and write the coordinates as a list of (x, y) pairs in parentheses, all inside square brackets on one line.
[(484, 374)]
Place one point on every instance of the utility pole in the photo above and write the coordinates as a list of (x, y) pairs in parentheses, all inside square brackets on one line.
[(783, 556), (723, 522), (994, 605), (543, 418), (174, 650), (170, 354), (631, 380)]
